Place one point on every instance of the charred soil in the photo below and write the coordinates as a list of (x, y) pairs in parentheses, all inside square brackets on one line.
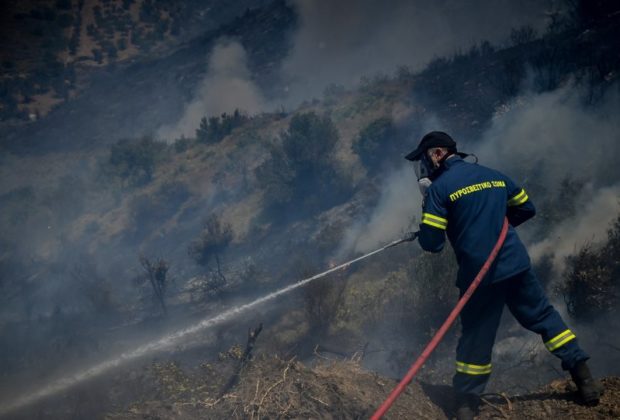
[(271, 387)]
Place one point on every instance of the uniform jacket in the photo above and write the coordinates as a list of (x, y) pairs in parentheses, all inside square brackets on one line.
[(468, 202)]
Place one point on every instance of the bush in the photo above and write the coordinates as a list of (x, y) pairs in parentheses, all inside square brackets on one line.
[(301, 171), (591, 285), (323, 298), (156, 273), (214, 129), (134, 161), (213, 240), (182, 144), (376, 141), (434, 294)]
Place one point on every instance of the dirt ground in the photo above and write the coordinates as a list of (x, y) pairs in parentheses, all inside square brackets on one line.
[(270, 387)]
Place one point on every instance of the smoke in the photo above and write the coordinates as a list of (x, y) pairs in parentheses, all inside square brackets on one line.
[(340, 41), (549, 138), (552, 136), (390, 219), (227, 86), (541, 140), (597, 210)]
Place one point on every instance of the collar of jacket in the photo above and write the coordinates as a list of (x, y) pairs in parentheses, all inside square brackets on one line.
[(446, 165), (454, 159)]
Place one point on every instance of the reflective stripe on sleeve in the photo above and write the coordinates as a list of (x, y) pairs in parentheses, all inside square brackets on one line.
[(518, 199), (559, 340), (470, 369), (434, 221)]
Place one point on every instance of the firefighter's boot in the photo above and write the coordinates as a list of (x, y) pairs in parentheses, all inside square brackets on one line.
[(466, 406), (590, 390)]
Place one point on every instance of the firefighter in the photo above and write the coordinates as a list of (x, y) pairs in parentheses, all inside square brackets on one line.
[(468, 203)]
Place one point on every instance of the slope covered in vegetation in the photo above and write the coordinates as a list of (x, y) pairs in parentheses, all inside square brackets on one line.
[(110, 240)]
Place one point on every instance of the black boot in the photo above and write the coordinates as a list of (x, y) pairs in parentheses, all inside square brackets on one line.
[(466, 406), (589, 388)]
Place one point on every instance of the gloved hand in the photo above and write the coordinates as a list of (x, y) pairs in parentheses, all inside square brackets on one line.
[(410, 236), (424, 184)]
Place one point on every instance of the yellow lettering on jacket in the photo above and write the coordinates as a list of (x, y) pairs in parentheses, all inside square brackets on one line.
[(476, 187)]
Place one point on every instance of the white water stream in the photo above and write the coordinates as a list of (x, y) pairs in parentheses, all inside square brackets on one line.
[(165, 342)]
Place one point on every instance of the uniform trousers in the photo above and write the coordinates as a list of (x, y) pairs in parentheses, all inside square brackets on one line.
[(480, 318)]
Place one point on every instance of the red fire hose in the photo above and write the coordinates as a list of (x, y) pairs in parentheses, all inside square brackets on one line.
[(430, 347)]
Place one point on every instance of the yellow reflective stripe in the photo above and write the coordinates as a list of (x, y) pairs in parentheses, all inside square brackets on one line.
[(435, 221), (470, 369), (559, 340), (518, 199), (435, 218)]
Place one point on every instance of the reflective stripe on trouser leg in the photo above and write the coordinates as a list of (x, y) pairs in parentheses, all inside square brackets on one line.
[(471, 378), (528, 303), (471, 369), (560, 340), (479, 321)]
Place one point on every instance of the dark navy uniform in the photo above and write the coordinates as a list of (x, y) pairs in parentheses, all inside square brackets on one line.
[(468, 202)]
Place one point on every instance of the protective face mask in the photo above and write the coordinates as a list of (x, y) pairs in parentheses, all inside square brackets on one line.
[(422, 168)]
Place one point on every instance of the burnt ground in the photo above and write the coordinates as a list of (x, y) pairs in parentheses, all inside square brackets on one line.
[(271, 387)]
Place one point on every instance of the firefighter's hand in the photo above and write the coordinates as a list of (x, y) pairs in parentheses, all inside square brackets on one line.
[(411, 236)]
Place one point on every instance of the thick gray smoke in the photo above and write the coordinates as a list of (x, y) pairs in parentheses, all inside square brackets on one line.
[(227, 86), (338, 42), (549, 138), (391, 218), (538, 139)]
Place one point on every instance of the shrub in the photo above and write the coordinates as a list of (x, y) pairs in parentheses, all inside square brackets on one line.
[(213, 130), (134, 161), (591, 286), (434, 294), (375, 141), (302, 171), (323, 299), (156, 272), (213, 240)]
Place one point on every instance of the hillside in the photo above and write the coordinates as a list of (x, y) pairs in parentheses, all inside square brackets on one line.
[(276, 388), (86, 40), (113, 236)]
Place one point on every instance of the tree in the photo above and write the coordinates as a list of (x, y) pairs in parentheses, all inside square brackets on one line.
[(134, 160), (591, 287), (212, 130), (157, 274), (302, 171), (323, 299), (309, 141), (213, 240), (375, 141), (202, 133)]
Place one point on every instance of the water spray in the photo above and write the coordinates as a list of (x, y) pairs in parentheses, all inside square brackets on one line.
[(169, 340)]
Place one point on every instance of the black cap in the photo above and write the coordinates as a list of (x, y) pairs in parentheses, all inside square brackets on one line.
[(432, 139)]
